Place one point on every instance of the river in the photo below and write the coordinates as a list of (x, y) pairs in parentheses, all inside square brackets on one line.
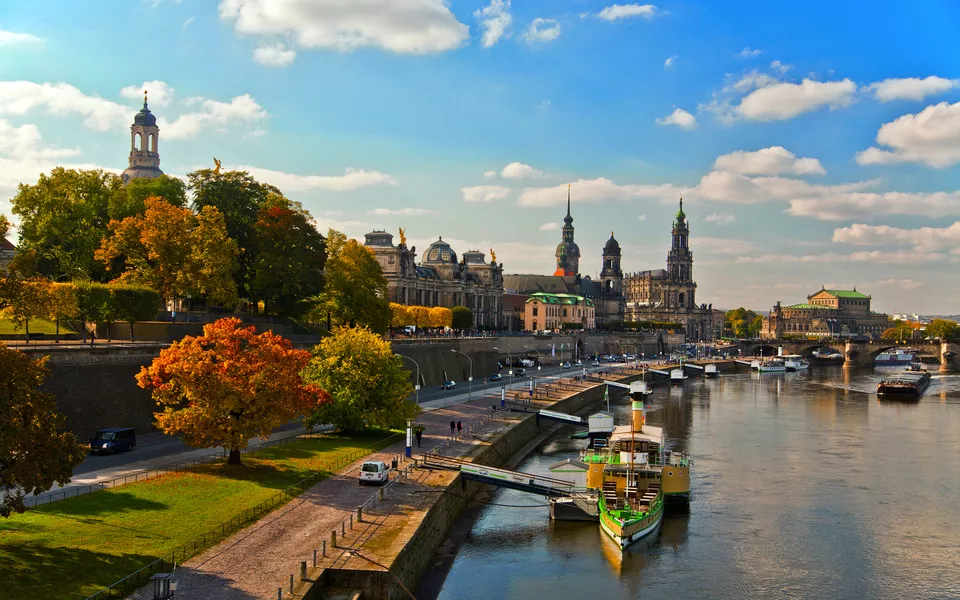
[(805, 485)]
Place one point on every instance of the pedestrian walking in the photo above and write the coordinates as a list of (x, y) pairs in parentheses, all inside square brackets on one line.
[(459, 427), (453, 427), (419, 435)]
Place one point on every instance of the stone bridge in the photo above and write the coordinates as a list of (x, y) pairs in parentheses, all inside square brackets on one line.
[(856, 354)]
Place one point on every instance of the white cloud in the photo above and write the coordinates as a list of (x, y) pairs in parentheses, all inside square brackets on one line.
[(642, 218), (543, 104), (680, 118), (549, 227), (775, 160), (10, 38), (904, 284), (495, 20), (782, 101), (724, 186), (61, 99), (931, 137), (242, 109), (289, 182), (779, 66), (408, 27), (921, 238), (725, 246), (749, 53), (518, 170), (596, 190), (159, 93), (627, 11), (274, 55), (840, 206), (490, 174), (668, 64), (720, 219), (396, 212), (188, 22), (542, 30), (877, 257), (910, 88), (484, 193)]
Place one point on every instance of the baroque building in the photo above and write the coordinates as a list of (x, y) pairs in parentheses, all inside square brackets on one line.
[(144, 159), (555, 311), (440, 279), (826, 313), (669, 295)]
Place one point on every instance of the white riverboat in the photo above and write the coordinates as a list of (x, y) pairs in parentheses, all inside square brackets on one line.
[(795, 362), (772, 365)]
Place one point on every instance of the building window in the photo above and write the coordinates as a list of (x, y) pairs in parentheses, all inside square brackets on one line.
[(534, 311), (564, 312)]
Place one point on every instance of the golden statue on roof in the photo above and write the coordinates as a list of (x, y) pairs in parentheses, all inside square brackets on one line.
[(403, 236), (493, 255), (216, 170)]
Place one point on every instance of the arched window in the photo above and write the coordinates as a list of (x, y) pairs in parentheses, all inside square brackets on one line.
[(681, 299), (138, 142)]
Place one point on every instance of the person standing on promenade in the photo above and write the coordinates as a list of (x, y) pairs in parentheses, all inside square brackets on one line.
[(453, 427), (419, 435), (459, 427)]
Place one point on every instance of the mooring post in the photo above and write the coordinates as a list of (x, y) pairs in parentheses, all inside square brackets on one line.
[(303, 570), (381, 494), (343, 529), (351, 521), (333, 538), (324, 548), (314, 558), (359, 514), (279, 593), (291, 583)]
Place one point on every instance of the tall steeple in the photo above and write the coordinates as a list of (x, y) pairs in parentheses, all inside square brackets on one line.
[(568, 253), (680, 263), (144, 159)]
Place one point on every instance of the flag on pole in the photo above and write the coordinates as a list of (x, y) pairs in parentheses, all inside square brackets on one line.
[(553, 350)]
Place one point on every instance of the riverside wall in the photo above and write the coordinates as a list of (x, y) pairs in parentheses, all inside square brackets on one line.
[(413, 559)]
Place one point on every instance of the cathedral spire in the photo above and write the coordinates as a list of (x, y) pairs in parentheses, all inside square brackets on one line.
[(568, 219)]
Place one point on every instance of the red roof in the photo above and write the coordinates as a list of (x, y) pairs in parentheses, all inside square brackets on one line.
[(6, 244)]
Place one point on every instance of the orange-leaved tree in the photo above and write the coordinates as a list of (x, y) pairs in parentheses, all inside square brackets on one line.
[(441, 316), (399, 315), (229, 385)]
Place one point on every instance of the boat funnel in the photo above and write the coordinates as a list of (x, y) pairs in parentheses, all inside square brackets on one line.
[(638, 416)]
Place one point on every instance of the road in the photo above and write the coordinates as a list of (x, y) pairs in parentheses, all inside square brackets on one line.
[(434, 392)]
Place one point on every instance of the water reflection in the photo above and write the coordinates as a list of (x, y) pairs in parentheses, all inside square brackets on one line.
[(804, 485)]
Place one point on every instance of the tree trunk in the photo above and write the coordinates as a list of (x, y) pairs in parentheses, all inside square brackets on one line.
[(131, 332), (234, 458), (26, 330), (58, 330), (109, 339)]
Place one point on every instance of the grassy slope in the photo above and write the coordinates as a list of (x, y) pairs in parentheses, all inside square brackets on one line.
[(77, 546), (7, 327)]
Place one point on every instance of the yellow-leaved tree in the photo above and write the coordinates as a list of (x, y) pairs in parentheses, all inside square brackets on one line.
[(419, 316), (355, 289), (399, 315), (440, 316)]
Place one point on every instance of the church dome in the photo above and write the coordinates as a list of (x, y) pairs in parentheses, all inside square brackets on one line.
[(439, 252), (145, 117), (612, 246), (570, 249)]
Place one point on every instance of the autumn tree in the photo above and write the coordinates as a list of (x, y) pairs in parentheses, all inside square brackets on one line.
[(288, 258), (419, 316), (441, 316), (355, 289), (462, 317), (63, 304), (743, 323), (399, 315), (93, 305), (63, 217), (133, 303), (175, 252), (943, 329), (29, 299), (134, 202), (229, 385), (900, 330), (367, 382), (239, 198), (35, 452)]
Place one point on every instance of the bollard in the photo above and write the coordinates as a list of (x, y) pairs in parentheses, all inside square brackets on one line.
[(291, 583), (380, 494), (351, 521), (279, 593), (303, 570), (359, 514), (343, 529), (333, 538), (324, 549), (314, 558)]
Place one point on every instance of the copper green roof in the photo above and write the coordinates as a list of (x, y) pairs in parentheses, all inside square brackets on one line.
[(559, 299), (848, 294), (804, 305)]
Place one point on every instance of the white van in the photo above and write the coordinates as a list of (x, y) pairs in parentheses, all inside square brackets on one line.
[(374, 471)]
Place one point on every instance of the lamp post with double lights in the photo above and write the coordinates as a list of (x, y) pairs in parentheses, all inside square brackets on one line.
[(509, 358), (470, 379), (417, 383), (539, 360)]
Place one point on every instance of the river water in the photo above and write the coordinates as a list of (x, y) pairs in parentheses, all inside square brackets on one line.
[(805, 485)]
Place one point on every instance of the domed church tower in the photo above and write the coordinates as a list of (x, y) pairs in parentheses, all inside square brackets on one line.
[(144, 161), (568, 253)]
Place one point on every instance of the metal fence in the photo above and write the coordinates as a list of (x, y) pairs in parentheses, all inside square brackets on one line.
[(141, 577), (143, 475)]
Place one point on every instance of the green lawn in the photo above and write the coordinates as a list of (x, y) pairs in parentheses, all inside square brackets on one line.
[(73, 548), (7, 327)]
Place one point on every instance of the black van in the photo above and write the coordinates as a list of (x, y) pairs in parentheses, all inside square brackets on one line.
[(114, 439)]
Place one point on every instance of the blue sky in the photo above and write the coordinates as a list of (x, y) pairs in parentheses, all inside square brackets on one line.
[(813, 144)]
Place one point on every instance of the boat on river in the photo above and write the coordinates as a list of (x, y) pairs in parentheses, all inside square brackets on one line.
[(909, 384), (635, 478), (772, 365), (795, 362)]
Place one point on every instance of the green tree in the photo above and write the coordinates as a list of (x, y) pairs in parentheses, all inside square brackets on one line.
[(755, 326), (29, 299), (35, 452), (740, 320), (367, 382), (133, 303), (462, 318), (355, 289), (63, 303), (239, 198), (63, 217), (134, 202), (901, 330), (93, 305), (288, 258), (943, 329)]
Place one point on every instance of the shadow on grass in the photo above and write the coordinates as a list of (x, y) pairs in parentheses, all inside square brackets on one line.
[(34, 572), (107, 502)]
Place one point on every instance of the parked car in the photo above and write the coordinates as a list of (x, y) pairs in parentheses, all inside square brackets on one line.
[(496, 377), (448, 385), (565, 365), (374, 471), (519, 373), (579, 363), (112, 440)]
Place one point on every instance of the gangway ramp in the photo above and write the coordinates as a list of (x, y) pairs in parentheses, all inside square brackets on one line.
[(692, 366), (515, 480)]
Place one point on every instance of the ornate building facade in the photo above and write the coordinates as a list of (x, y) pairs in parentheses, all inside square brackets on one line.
[(144, 159), (544, 311), (440, 279), (669, 295), (826, 313)]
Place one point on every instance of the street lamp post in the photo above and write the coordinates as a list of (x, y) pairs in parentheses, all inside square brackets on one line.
[(417, 384), (509, 357), (539, 360), (470, 380)]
